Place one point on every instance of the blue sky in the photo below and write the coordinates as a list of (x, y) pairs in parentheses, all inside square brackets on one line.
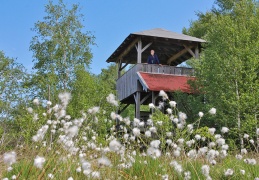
[(110, 21)]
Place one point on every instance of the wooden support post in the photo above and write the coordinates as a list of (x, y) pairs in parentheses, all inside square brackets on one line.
[(153, 100), (139, 50), (119, 68), (137, 104)]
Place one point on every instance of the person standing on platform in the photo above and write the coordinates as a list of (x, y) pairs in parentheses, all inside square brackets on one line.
[(152, 58)]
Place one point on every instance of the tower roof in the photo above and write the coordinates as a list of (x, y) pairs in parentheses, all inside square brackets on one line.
[(165, 43)]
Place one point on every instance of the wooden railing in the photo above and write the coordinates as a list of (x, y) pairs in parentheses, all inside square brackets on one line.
[(127, 84)]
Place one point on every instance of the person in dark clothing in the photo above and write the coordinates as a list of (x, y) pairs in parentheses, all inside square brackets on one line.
[(152, 58)]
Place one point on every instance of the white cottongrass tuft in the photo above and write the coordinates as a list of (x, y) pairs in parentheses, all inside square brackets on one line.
[(151, 106), (212, 111), (39, 161), (169, 111), (155, 143), (224, 130), (136, 132), (246, 136), (36, 101), (30, 110), (242, 171), (49, 103), (115, 145), (200, 114), (9, 158), (111, 99), (51, 176), (205, 169), (104, 161), (250, 161), (148, 134), (70, 178), (163, 94), (212, 131), (64, 98), (178, 167), (243, 151), (153, 152), (229, 172), (172, 103)]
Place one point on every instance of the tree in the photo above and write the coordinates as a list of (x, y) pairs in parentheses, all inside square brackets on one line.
[(59, 48), (12, 76), (228, 70)]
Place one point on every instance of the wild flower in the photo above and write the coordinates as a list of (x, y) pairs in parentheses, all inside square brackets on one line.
[(9, 158), (202, 151), (217, 136), (182, 116), (187, 175), (136, 132), (192, 154), (148, 134), (246, 136), (205, 169), (224, 147), (190, 143), (239, 156), (200, 114), (152, 129), (165, 177), (64, 98), (40, 133), (251, 141), (224, 130), (95, 175), (229, 172), (163, 94), (39, 161), (220, 141), (151, 106), (212, 111), (178, 168), (197, 137), (212, 131), (49, 103), (111, 99), (153, 152), (36, 101), (169, 111), (190, 127), (180, 141), (242, 171), (70, 178), (93, 110), (149, 122), (113, 115), (169, 134), (250, 161), (115, 145), (13, 177), (172, 103), (257, 131), (155, 143), (212, 144), (175, 120), (51, 176), (30, 110), (104, 161), (243, 151), (136, 122), (177, 153)]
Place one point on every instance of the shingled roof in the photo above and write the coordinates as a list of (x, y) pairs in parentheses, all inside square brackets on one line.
[(165, 43)]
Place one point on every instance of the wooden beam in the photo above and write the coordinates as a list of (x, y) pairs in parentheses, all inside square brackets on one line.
[(149, 44), (189, 50), (121, 68), (145, 98), (179, 54), (120, 111), (127, 50)]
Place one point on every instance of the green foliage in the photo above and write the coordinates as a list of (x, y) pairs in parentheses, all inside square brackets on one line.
[(58, 48)]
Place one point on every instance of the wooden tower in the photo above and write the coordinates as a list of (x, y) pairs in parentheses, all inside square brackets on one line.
[(142, 82)]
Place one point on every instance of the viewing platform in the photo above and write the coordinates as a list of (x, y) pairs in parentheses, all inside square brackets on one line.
[(128, 83)]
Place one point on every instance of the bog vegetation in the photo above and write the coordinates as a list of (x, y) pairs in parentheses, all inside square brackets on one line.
[(60, 122)]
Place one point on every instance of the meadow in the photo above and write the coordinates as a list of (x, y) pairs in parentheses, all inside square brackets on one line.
[(104, 145)]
